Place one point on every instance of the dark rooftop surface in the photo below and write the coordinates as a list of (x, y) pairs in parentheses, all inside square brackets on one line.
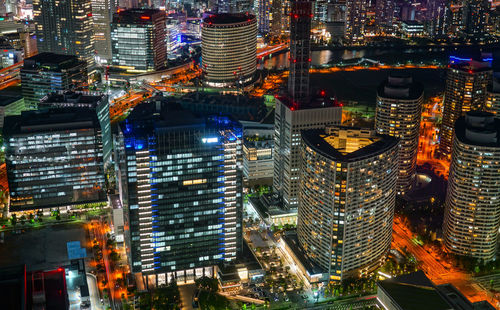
[(66, 99), (313, 139), (314, 102), (400, 87), (137, 16), (290, 237), (478, 128), (414, 297), (228, 18), (471, 66), (51, 60), (5, 100), (49, 120)]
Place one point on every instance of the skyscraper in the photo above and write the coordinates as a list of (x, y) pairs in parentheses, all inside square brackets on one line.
[(102, 14), (47, 72), (347, 199), (384, 14), (466, 84), (300, 50), (95, 102), (298, 110), (475, 15), (398, 111), (138, 39), (492, 104), (54, 159), (472, 206), (65, 27), (289, 121), (229, 49), (355, 20), (183, 191)]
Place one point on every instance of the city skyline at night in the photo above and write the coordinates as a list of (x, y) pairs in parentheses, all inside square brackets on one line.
[(237, 154)]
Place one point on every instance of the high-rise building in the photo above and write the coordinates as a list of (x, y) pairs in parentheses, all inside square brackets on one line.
[(398, 111), (384, 14), (492, 104), (229, 49), (183, 191), (475, 16), (138, 40), (65, 27), (264, 16), (355, 20), (298, 110), (466, 84), (300, 50), (54, 159), (46, 72), (288, 123), (102, 11), (347, 199), (472, 206), (276, 18), (96, 102)]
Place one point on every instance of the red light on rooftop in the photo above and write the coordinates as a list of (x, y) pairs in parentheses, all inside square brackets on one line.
[(145, 17), (296, 16)]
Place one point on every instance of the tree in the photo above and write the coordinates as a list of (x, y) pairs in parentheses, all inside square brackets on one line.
[(13, 220), (207, 283)]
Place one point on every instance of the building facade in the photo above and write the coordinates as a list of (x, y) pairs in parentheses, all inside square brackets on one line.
[(54, 159), (47, 72), (258, 162), (183, 192), (347, 199), (65, 27), (138, 40), (288, 124), (466, 84), (398, 112), (300, 50), (102, 11), (355, 20), (229, 49), (96, 102), (472, 206), (492, 104)]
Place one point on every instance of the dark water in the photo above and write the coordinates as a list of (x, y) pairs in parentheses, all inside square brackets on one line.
[(360, 86), (384, 55)]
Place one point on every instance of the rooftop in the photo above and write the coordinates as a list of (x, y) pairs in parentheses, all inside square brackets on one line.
[(347, 144), (49, 120), (51, 61), (400, 87), (137, 16), (71, 98), (414, 297), (228, 19), (478, 128), (5, 100)]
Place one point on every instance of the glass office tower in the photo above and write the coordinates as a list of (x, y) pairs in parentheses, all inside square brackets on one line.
[(54, 158), (183, 192)]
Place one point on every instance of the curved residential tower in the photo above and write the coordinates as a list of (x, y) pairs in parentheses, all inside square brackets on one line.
[(472, 207), (399, 107), (347, 197)]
